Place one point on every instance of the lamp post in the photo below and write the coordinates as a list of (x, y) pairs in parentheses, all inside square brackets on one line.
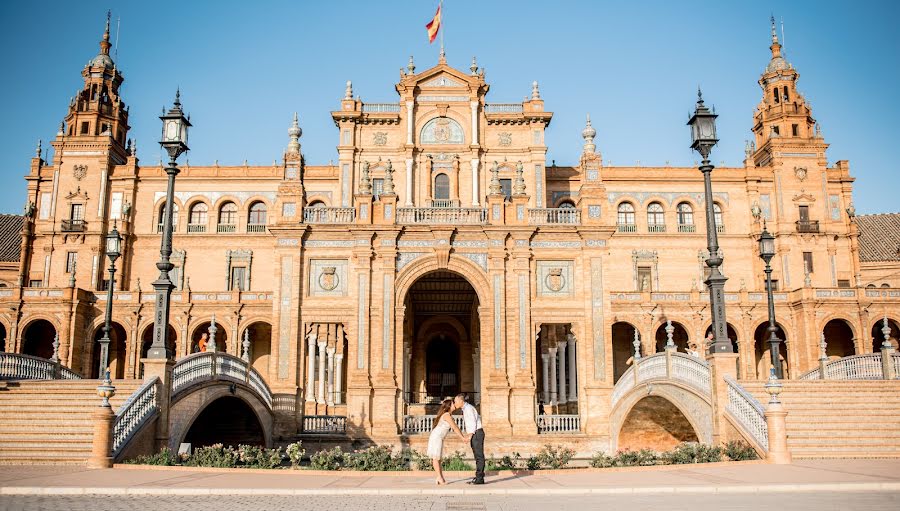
[(113, 250), (174, 141), (703, 138), (766, 253)]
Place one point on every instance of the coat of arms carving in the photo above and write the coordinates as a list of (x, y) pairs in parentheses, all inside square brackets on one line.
[(800, 172), (329, 279), (380, 138), (442, 130), (505, 139), (79, 171), (555, 280)]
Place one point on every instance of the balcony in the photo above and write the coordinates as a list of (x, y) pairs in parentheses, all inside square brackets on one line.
[(687, 228), (626, 228), (226, 228), (503, 108), (656, 228), (554, 216), (452, 216), (72, 225), (381, 108), (319, 215), (195, 228), (256, 228), (444, 203), (808, 226)]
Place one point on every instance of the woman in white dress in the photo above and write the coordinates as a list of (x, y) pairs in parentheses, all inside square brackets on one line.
[(443, 423)]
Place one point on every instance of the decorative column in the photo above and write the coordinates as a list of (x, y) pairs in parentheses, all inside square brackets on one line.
[(211, 344), (546, 377), (475, 192), (476, 368), (338, 379), (573, 388), (311, 368), (329, 397), (409, 182), (552, 364), (320, 393), (409, 122), (562, 372), (474, 105)]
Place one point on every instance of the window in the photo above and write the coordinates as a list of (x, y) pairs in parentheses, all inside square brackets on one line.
[(717, 217), (785, 93), (506, 188), (198, 214), (228, 214), (843, 283), (76, 212), (71, 258), (566, 204), (257, 214), (685, 214), (238, 276), (85, 126), (870, 286), (162, 217), (34, 283), (377, 188), (808, 262), (775, 91), (442, 186), (655, 214), (774, 285), (885, 285), (625, 214), (804, 214), (795, 130), (645, 279), (776, 130)]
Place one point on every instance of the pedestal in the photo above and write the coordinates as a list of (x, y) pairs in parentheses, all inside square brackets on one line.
[(101, 445), (775, 425), (721, 365)]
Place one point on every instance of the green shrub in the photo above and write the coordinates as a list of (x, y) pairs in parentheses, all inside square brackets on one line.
[(603, 460), (327, 459), (737, 450), (417, 459), (455, 462), (513, 462), (252, 456), (165, 457), (532, 463), (554, 456), (215, 455), (375, 458), (295, 453), (692, 452), (642, 458)]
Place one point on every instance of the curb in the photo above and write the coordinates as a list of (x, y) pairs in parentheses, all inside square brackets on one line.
[(637, 490)]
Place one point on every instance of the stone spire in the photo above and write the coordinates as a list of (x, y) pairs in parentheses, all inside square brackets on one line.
[(535, 92), (294, 133), (103, 59), (777, 62), (388, 188), (589, 133), (38, 151), (348, 92), (411, 67), (62, 128), (519, 185), (474, 67)]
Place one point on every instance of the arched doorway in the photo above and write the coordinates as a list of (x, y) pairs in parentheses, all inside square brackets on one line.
[(260, 337), (147, 341), (679, 337), (878, 335), (732, 336), (763, 358), (441, 333), (655, 423), (202, 332), (229, 421), (117, 351), (838, 339), (622, 347), (37, 339), (3, 346)]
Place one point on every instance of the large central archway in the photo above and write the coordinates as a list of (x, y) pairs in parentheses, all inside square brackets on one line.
[(441, 333)]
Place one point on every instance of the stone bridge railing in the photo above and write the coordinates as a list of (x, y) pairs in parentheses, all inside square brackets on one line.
[(748, 413), (869, 366), (137, 410), (15, 366), (669, 365), (202, 367)]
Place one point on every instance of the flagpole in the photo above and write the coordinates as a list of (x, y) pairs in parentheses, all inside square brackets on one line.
[(441, 27)]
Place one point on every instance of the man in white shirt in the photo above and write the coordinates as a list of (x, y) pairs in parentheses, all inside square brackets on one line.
[(475, 433)]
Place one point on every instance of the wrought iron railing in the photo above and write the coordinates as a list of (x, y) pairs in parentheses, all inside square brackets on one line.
[(325, 424), (226, 228), (195, 228), (137, 410), (550, 216), (569, 423), (200, 367), (16, 366), (318, 215), (808, 226), (452, 216), (419, 424), (72, 225), (748, 413), (687, 228)]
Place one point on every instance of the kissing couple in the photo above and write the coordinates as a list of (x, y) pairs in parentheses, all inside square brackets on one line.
[(444, 422)]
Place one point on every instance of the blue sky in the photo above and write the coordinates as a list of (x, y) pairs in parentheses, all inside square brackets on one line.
[(244, 67)]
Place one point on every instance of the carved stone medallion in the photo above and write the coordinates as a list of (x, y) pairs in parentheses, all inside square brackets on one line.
[(329, 279)]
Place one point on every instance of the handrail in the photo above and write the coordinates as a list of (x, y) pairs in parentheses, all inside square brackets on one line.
[(552, 216), (452, 216), (748, 413), (684, 368), (200, 367), (867, 366), (17, 366), (327, 215), (137, 410)]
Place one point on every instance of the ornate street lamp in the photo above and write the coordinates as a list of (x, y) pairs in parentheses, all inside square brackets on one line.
[(113, 251), (766, 253), (174, 141), (703, 138)]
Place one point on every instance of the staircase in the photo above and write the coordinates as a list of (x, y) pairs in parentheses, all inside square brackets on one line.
[(839, 418), (49, 421)]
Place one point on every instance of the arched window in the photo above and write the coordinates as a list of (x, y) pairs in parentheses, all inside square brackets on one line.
[(870, 286), (685, 215), (656, 218), (162, 217), (885, 285), (625, 217), (228, 214), (316, 204), (256, 222), (442, 186), (567, 204), (717, 214), (197, 217)]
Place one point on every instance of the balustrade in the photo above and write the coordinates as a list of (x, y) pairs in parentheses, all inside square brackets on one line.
[(15, 366), (857, 367), (320, 215), (748, 413), (325, 424), (452, 216), (550, 216), (218, 366), (569, 423), (139, 408), (626, 227), (503, 108), (419, 424), (377, 108)]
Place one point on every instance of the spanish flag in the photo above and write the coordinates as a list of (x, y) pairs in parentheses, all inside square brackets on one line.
[(434, 26)]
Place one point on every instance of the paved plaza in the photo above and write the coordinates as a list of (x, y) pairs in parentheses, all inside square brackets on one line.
[(821, 485)]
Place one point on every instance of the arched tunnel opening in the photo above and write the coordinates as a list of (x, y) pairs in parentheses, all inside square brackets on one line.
[(655, 423), (227, 420)]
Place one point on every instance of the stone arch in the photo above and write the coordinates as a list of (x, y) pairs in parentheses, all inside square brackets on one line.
[(201, 328), (433, 129), (426, 264), (878, 334), (159, 208), (622, 347), (4, 344), (317, 201), (260, 336), (37, 338), (118, 350), (762, 357), (840, 338), (188, 405), (677, 409), (731, 331), (679, 336), (147, 341), (216, 205)]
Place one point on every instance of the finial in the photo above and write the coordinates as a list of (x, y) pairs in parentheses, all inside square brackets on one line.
[(411, 67), (535, 92), (38, 151), (388, 186), (774, 33), (442, 58), (246, 345), (134, 147), (474, 67), (519, 184), (211, 344), (62, 129), (348, 92), (495, 187), (294, 133), (670, 330), (588, 133), (178, 96), (699, 96), (637, 345), (365, 184)]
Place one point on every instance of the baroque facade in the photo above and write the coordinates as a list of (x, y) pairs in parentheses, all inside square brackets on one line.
[(442, 254)]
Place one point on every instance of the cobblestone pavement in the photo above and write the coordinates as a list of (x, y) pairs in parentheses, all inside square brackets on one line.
[(784, 502)]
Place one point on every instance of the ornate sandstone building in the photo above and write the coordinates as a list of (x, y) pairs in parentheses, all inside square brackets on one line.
[(442, 253)]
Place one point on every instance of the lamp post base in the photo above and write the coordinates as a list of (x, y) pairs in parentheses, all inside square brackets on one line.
[(101, 445)]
